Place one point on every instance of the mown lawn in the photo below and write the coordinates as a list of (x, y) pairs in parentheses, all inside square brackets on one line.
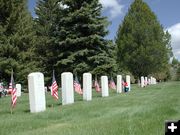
[(139, 112)]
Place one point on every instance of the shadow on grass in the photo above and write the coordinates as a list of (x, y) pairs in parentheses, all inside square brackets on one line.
[(27, 111), (54, 105)]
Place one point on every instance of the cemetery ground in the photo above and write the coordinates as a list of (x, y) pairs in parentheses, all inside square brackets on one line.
[(142, 111)]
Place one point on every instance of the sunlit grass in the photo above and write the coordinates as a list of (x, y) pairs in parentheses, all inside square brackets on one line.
[(139, 112)]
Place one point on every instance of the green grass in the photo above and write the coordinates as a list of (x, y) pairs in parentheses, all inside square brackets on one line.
[(139, 112)]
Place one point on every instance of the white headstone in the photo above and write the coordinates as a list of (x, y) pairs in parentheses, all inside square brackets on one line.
[(67, 88), (128, 80), (51, 90), (18, 87), (87, 86), (145, 81), (36, 92), (104, 86), (139, 83), (155, 81), (149, 81), (142, 81), (119, 83)]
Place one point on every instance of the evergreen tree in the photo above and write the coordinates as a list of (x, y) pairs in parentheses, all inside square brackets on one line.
[(178, 73), (16, 40), (83, 46), (175, 61), (48, 14), (75, 31), (143, 47)]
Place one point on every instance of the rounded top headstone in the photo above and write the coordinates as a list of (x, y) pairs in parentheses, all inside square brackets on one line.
[(35, 73), (86, 73), (64, 73)]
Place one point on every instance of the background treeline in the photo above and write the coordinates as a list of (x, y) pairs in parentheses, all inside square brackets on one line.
[(69, 35)]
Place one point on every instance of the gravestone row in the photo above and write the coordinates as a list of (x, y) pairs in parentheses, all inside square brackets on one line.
[(37, 92), (147, 81)]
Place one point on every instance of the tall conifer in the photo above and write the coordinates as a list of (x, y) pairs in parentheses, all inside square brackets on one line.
[(143, 46), (72, 32), (17, 40)]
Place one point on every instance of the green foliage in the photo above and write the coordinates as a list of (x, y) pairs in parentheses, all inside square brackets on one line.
[(143, 46), (16, 40), (178, 73), (69, 36), (175, 69), (175, 62), (47, 12), (72, 35), (164, 74)]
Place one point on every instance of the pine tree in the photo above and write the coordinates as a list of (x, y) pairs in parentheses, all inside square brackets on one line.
[(75, 31), (175, 62), (143, 47), (178, 73), (84, 48), (17, 40), (48, 14)]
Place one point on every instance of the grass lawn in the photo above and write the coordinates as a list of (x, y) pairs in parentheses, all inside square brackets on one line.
[(139, 112)]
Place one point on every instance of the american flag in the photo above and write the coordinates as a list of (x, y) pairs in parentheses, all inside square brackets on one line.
[(96, 85), (54, 87), (112, 84), (77, 86), (13, 91)]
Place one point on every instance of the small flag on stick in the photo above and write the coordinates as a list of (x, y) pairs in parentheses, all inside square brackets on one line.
[(77, 86), (54, 87), (96, 85), (13, 91), (112, 84)]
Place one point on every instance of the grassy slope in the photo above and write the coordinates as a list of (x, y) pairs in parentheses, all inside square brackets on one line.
[(140, 112)]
